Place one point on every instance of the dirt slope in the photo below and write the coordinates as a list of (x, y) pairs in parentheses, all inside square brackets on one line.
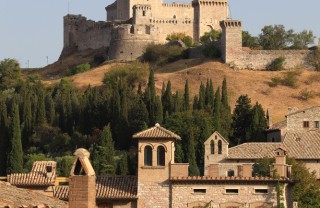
[(254, 83)]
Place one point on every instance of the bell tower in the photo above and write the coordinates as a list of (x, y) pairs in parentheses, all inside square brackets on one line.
[(155, 157)]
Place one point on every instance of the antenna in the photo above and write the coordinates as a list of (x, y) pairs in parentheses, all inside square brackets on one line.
[(229, 13)]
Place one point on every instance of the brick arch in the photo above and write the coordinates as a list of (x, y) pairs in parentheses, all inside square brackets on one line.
[(161, 144), (141, 148), (197, 204)]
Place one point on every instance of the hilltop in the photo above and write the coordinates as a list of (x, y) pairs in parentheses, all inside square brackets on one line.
[(253, 83)]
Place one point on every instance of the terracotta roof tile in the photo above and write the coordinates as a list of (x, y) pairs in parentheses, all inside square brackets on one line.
[(156, 132), (109, 187), (37, 177), (216, 179), (303, 145)]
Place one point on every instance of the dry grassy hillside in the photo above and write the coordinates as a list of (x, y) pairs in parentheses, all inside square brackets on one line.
[(253, 83)]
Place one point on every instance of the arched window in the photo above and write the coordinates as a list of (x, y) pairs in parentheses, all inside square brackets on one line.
[(219, 147), (212, 147), (174, 17), (161, 156), (148, 156), (230, 173)]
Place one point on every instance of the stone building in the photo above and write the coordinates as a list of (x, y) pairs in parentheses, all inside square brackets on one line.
[(131, 25)]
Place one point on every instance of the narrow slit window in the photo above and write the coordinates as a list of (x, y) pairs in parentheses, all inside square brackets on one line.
[(212, 147), (199, 191), (219, 147), (161, 156), (148, 156), (261, 191), (232, 191)]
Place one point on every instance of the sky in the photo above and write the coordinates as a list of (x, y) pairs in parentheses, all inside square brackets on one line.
[(32, 30)]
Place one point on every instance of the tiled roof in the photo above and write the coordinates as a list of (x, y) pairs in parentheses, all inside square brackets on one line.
[(109, 187), (37, 177), (213, 179), (156, 132), (279, 125), (12, 196), (304, 145), (253, 150)]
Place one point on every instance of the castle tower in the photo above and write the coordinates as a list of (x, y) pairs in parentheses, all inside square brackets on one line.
[(155, 155), (142, 14), (207, 16), (215, 151), (231, 40), (82, 186)]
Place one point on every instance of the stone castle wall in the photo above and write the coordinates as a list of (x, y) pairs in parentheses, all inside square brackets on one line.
[(216, 196), (244, 58), (295, 121), (81, 34)]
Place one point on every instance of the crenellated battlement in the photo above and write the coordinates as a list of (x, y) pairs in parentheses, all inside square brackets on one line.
[(142, 7), (170, 21), (230, 23), (173, 4)]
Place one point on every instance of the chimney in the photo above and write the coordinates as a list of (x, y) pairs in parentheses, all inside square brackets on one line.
[(280, 167), (82, 185), (49, 171)]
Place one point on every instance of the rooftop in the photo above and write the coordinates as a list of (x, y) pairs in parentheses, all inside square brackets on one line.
[(156, 132)]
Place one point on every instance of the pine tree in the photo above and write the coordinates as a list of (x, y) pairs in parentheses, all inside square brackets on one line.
[(258, 124), (186, 98), (15, 154), (4, 142), (193, 168)]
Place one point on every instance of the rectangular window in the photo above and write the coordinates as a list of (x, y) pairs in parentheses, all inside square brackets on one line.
[(316, 124), (261, 191), (306, 124), (199, 191), (232, 191)]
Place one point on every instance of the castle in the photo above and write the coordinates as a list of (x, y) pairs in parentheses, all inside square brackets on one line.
[(132, 24)]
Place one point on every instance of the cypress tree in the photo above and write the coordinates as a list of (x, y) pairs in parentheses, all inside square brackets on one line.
[(158, 111), (226, 122), (195, 103), (27, 121), (206, 98), (150, 99), (167, 100), (201, 102), (177, 106), (123, 165), (193, 168), (241, 120), (4, 141), (258, 124), (217, 111), (15, 154), (186, 97), (211, 96), (41, 109)]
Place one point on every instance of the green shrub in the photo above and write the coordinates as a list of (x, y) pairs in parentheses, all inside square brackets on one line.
[(162, 54), (133, 73), (78, 69), (315, 59), (277, 64), (208, 37), (186, 39), (290, 79), (211, 51), (306, 94), (275, 81)]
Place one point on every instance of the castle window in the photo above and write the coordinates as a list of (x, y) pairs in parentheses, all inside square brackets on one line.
[(232, 191), (316, 124), (148, 156), (230, 173), (199, 191), (212, 147), (306, 124), (161, 156), (219, 147), (143, 13), (174, 17), (261, 191)]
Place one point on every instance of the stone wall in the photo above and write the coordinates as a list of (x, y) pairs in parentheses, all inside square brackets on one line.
[(81, 34), (244, 58), (128, 42), (295, 121), (183, 195)]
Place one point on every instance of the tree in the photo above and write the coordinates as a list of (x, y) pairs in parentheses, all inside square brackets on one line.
[(302, 40), (249, 41), (123, 165), (208, 37), (258, 124), (186, 39), (10, 73), (193, 168), (186, 97), (4, 124), (217, 111), (275, 37), (15, 153), (241, 120), (226, 117)]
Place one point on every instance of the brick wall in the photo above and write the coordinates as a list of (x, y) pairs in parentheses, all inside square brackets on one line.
[(215, 194), (82, 192)]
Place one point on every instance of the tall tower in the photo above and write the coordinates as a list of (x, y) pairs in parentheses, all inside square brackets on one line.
[(155, 156), (142, 14), (231, 40), (207, 16)]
